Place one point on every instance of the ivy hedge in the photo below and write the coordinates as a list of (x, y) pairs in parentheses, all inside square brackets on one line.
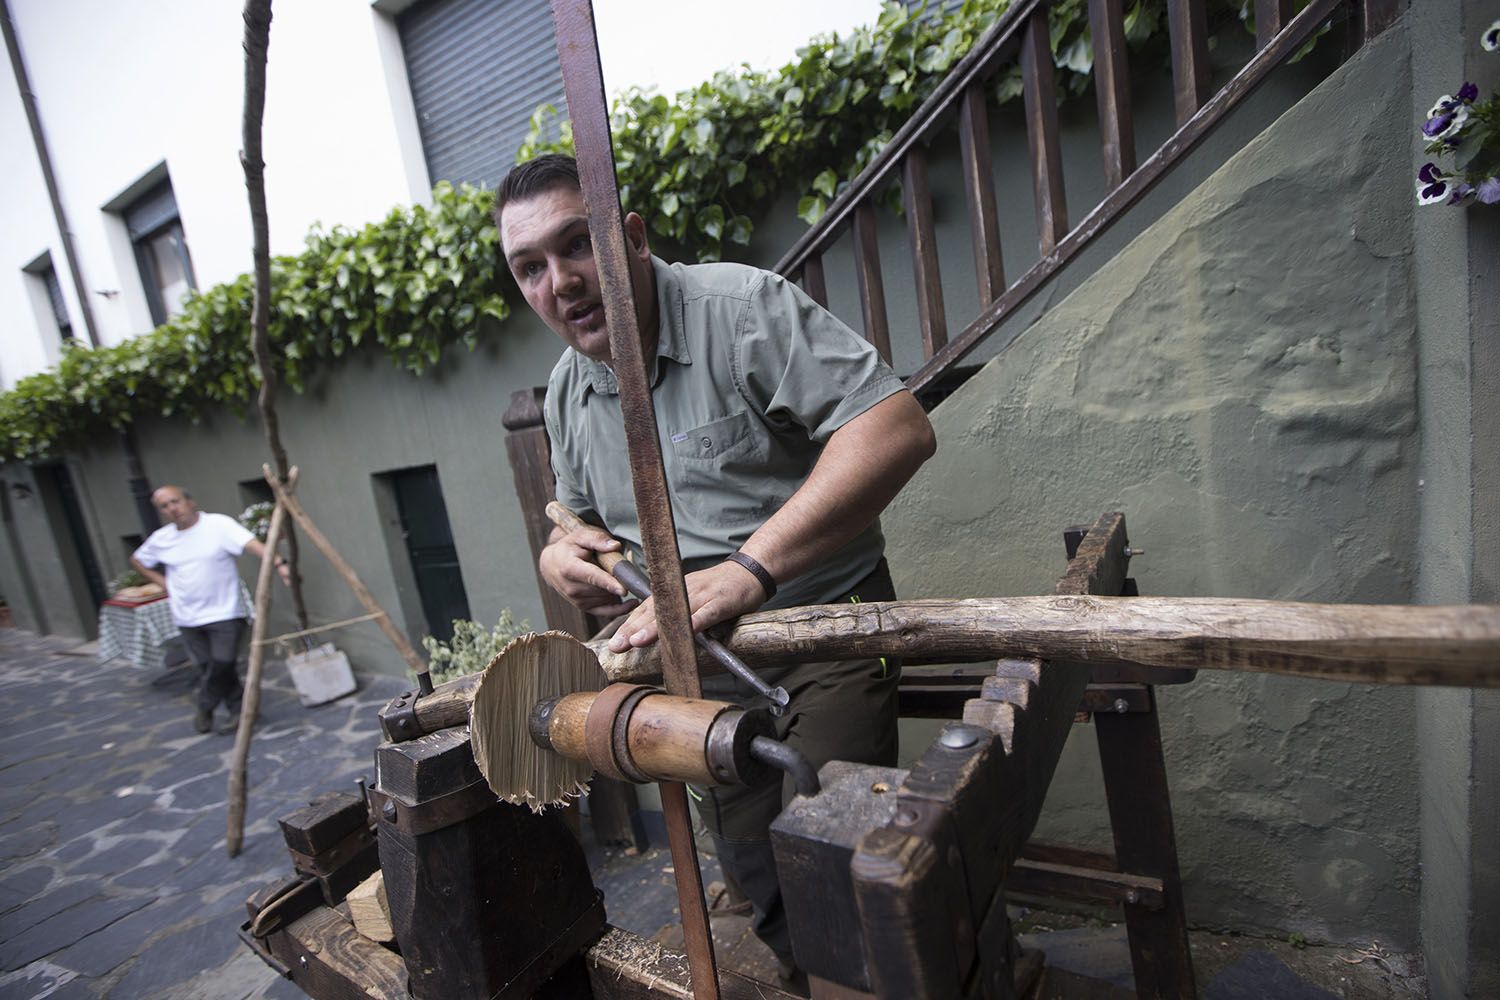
[(700, 168)]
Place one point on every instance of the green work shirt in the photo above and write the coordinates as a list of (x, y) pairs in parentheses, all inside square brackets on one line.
[(750, 380)]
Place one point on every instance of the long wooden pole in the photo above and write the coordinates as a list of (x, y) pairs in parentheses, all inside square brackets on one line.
[(250, 703), (286, 498), (1367, 643)]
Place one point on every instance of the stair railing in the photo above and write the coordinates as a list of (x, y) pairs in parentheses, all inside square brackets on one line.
[(1021, 34)]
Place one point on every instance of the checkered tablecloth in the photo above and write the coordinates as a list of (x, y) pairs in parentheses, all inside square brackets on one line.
[(138, 632), (135, 632)]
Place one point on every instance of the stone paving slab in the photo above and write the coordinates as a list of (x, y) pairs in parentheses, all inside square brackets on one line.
[(114, 881)]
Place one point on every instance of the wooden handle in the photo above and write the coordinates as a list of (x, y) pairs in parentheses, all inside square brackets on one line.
[(569, 521)]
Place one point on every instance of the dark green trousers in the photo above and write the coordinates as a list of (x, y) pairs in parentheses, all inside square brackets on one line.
[(839, 711)]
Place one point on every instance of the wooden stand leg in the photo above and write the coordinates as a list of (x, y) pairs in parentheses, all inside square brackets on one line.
[(1140, 811)]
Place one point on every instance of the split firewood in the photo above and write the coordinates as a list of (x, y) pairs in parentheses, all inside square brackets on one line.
[(370, 911)]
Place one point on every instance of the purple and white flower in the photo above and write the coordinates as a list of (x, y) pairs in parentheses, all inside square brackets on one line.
[(1488, 190), (1448, 116), (1490, 40), (1433, 186)]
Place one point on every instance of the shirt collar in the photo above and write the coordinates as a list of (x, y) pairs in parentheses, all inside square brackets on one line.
[(671, 337)]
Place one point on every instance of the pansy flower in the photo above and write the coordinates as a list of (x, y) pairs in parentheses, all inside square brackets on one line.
[(1447, 117), (1490, 40), (1488, 190), (1433, 186)]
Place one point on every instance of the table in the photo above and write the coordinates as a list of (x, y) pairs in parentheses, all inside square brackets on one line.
[(138, 631)]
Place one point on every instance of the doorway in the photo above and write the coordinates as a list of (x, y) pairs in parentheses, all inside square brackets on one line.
[(423, 519)]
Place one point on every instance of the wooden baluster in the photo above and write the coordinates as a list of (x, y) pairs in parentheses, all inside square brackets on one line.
[(1040, 89), (1371, 17), (1112, 85), (924, 254), (813, 282), (979, 183), (1188, 23), (871, 285), (1270, 17)]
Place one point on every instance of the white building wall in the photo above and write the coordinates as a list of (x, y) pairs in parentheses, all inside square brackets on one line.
[(124, 88)]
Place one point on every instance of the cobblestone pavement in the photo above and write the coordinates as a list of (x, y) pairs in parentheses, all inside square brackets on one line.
[(114, 881)]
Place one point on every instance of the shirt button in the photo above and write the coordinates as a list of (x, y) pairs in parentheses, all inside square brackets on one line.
[(707, 443)]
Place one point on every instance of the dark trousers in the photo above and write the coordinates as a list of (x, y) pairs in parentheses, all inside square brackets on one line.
[(839, 711), (215, 648)]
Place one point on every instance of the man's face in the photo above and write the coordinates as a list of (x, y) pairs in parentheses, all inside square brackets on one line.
[(175, 508), (551, 255)]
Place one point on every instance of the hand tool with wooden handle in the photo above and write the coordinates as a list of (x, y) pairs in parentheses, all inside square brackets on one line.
[(622, 569)]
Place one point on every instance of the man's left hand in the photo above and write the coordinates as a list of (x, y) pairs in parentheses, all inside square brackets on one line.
[(715, 595)]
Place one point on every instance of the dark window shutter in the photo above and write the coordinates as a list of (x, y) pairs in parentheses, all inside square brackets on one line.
[(151, 211), (478, 69)]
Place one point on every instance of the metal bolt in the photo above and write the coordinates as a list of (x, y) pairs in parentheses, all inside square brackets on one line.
[(1122, 706), (906, 817), (959, 737), (1133, 552), (880, 787), (1131, 896), (389, 811), (404, 724), (302, 960)]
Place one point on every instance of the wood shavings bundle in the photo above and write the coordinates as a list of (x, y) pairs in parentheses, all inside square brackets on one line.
[(530, 668)]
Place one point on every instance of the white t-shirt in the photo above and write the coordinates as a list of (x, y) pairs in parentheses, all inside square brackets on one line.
[(203, 583)]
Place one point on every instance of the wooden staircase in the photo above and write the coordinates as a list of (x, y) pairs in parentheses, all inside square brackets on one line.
[(1020, 37)]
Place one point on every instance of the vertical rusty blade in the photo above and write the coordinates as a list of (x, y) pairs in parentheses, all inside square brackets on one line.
[(583, 83)]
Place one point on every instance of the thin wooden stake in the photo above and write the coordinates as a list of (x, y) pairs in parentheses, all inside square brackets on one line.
[(250, 704)]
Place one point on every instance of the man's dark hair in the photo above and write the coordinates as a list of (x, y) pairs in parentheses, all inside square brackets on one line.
[(529, 179)]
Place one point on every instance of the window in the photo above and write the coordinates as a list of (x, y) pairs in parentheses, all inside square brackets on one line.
[(161, 252), (478, 69), (45, 276)]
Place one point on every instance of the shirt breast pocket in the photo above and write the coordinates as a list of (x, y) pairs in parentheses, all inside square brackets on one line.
[(717, 462)]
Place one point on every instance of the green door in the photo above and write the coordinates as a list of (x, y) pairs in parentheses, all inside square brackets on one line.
[(429, 543)]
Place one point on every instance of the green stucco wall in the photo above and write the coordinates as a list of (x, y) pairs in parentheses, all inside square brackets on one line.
[(1240, 380)]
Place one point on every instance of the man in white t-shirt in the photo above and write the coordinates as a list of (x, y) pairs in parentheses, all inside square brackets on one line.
[(196, 553)]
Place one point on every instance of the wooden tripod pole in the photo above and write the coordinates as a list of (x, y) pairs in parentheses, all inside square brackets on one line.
[(250, 704), (285, 497)]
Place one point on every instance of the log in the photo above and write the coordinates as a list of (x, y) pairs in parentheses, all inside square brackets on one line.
[(1372, 644), (1455, 645), (370, 911)]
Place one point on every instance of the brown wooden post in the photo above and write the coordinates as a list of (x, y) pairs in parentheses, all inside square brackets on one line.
[(1039, 81), (924, 253), (1270, 17), (614, 809), (813, 282), (1374, 16), (1188, 24), (1112, 85), (979, 185), (871, 284)]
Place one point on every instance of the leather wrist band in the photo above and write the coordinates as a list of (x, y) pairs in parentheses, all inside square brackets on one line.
[(767, 582)]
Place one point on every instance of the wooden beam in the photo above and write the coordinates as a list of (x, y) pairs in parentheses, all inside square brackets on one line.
[(924, 253), (1364, 643), (979, 186), (1112, 87), (813, 282), (1187, 23), (871, 284), (1039, 83)]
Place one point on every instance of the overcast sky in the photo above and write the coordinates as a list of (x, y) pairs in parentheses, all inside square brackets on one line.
[(676, 44)]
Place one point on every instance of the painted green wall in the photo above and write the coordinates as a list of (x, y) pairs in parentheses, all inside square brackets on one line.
[(1241, 381)]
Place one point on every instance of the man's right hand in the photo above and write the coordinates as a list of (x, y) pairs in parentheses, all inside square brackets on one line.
[(568, 566)]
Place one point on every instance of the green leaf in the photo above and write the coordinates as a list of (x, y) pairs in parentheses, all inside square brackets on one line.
[(826, 183)]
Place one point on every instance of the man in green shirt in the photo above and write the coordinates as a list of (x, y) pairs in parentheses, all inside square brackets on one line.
[(784, 435)]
